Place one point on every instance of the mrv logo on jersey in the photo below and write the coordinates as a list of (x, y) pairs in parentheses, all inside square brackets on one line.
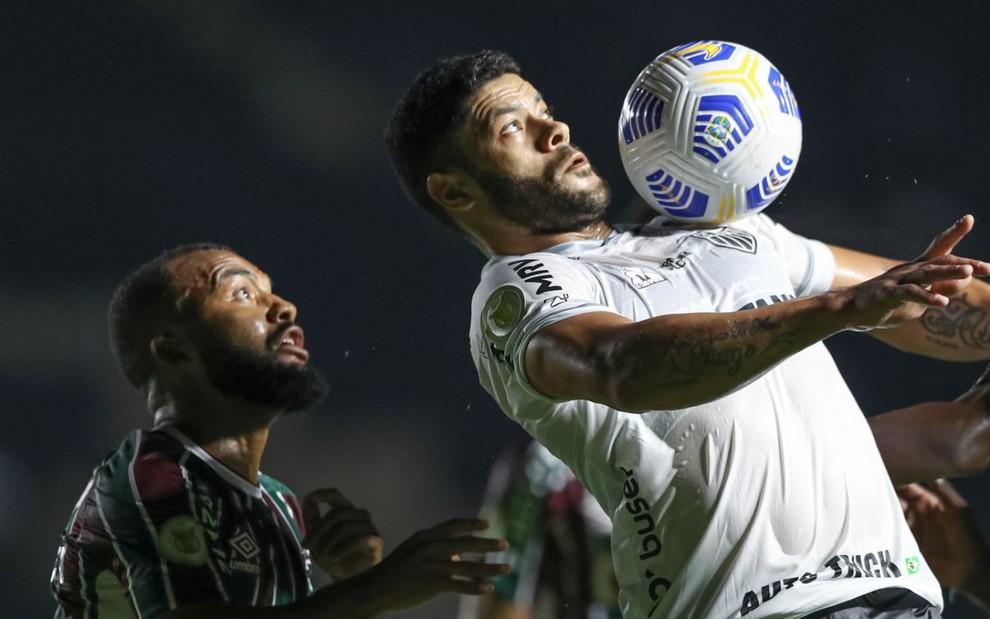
[(534, 272)]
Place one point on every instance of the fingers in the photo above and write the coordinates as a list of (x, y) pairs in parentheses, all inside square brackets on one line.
[(342, 531), (434, 560), (344, 540), (472, 569), (946, 241), (932, 282), (313, 501), (456, 526), (947, 494), (463, 544), (447, 540)]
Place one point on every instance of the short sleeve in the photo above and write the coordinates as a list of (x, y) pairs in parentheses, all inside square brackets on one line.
[(810, 263), (518, 297)]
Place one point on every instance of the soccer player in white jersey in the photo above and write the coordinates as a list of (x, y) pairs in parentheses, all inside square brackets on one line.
[(180, 522), (680, 372)]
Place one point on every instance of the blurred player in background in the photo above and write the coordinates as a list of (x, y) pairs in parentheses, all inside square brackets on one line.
[(180, 522), (559, 546), (949, 537), (679, 372)]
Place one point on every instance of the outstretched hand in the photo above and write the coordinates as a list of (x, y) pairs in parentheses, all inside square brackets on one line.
[(343, 541), (947, 533), (904, 292), (442, 558)]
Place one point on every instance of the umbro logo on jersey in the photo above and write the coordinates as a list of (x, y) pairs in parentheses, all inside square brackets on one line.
[(244, 545), (243, 550), (729, 238)]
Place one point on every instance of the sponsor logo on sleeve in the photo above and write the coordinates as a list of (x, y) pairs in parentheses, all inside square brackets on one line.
[(502, 313), (533, 271)]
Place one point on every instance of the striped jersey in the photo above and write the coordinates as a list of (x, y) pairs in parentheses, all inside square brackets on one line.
[(770, 501), (162, 524), (558, 538)]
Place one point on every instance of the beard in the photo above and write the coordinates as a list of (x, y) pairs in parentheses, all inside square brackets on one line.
[(263, 379), (543, 204)]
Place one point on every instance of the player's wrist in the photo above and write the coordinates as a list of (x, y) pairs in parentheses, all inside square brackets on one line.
[(356, 597), (840, 311)]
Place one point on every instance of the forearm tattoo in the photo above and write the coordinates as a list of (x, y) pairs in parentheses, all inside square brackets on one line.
[(959, 323), (722, 352)]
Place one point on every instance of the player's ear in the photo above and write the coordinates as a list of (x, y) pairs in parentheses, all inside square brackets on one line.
[(168, 349), (452, 190)]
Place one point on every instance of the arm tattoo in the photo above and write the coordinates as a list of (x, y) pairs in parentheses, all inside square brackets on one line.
[(959, 321), (719, 353)]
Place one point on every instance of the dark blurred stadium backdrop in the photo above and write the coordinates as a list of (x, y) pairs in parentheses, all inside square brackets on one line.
[(130, 126)]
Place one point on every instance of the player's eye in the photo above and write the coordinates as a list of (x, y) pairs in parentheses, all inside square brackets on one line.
[(547, 113), (513, 127), (242, 294)]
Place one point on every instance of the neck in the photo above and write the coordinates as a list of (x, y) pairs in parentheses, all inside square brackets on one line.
[(521, 242), (597, 231), (235, 436), (241, 454)]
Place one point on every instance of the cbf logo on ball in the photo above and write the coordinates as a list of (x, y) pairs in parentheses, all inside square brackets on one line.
[(710, 131)]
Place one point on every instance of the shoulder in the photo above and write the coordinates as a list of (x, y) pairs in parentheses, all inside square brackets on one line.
[(275, 487), (529, 269), (145, 462), (537, 276)]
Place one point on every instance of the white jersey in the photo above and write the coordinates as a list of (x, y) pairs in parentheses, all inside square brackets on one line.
[(769, 502)]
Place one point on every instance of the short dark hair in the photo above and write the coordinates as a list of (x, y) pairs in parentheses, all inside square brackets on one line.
[(138, 307), (421, 129)]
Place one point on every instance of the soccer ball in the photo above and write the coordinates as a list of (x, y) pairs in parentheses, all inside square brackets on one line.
[(709, 131)]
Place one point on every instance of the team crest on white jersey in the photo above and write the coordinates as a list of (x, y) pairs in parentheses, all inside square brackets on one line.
[(729, 238)]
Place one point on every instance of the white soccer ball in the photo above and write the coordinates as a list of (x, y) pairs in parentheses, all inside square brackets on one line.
[(710, 131)]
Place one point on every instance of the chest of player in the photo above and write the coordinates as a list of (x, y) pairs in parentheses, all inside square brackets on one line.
[(244, 540), (717, 270)]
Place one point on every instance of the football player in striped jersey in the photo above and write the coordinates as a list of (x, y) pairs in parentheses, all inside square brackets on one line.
[(180, 521)]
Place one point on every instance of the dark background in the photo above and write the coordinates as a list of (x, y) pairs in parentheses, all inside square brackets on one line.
[(128, 127)]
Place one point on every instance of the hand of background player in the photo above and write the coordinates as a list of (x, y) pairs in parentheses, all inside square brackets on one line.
[(904, 292), (947, 533), (442, 558), (343, 541)]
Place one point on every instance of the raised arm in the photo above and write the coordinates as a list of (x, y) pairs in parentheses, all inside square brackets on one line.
[(959, 331), (937, 439), (674, 361)]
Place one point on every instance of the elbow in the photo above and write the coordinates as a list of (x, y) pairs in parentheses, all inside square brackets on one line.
[(970, 459), (971, 454)]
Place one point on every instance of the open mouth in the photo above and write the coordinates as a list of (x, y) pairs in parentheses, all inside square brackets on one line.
[(291, 342), (576, 162)]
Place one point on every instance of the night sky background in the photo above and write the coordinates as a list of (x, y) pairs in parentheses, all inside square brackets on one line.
[(131, 126)]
